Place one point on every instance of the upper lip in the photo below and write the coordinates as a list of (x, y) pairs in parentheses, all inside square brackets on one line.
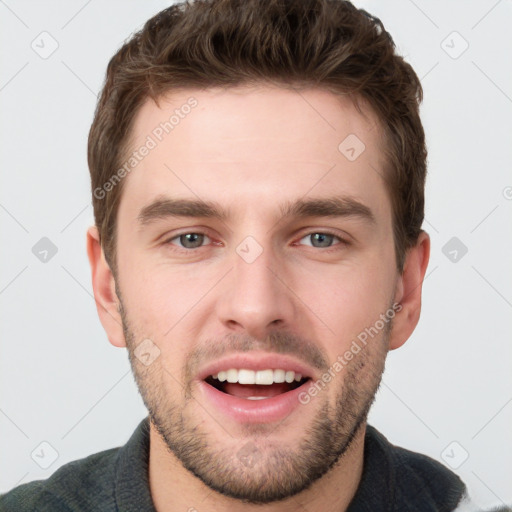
[(256, 361)]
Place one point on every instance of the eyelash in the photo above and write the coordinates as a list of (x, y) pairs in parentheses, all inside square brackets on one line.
[(341, 241), (184, 249), (336, 247)]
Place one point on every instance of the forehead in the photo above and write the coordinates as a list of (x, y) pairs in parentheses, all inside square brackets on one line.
[(242, 145)]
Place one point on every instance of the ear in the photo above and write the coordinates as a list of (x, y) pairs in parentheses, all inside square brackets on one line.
[(103, 283), (408, 291)]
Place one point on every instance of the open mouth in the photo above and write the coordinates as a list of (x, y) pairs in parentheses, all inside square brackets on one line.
[(256, 385)]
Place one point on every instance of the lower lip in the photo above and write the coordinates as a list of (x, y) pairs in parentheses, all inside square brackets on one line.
[(253, 411)]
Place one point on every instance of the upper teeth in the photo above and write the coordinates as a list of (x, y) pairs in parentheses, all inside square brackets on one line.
[(266, 377)]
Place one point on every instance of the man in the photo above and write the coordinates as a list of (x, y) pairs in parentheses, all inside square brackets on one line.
[(258, 173)]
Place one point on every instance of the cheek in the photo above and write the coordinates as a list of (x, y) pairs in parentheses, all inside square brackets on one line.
[(148, 296), (165, 303), (346, 299)]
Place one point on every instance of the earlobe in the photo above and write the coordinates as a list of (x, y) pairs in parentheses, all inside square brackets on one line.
[(103, 283), (408, 291)]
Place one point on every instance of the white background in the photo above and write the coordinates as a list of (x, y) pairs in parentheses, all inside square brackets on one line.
[(61, 380)]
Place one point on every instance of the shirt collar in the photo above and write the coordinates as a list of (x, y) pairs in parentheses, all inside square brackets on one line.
[(132, 492)]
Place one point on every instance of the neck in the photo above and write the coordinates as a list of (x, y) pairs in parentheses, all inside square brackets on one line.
[(174, 488)]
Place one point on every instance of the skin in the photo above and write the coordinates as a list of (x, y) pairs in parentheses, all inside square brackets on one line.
[(251, 150)]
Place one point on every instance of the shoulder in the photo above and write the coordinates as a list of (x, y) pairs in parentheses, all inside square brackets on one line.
[(419, 476), (415, 481), (78, 485)]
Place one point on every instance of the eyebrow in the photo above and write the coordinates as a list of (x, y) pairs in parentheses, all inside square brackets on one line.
[(328, 207), (165, 207)]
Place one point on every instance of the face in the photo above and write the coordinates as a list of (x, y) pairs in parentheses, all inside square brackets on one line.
[(255, 253)]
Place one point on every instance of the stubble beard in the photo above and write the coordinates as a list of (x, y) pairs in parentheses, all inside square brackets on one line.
[(253, 468)]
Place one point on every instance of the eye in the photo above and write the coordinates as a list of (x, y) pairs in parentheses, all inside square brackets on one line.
[(320, 240), (190, 240)]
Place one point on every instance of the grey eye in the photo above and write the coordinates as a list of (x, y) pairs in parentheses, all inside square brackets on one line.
[(191, 240), (319, 239)]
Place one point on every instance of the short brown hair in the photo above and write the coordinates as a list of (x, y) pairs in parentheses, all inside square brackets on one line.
[(327, 44)]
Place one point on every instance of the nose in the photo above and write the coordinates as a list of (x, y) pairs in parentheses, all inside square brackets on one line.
[(255, 299)]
